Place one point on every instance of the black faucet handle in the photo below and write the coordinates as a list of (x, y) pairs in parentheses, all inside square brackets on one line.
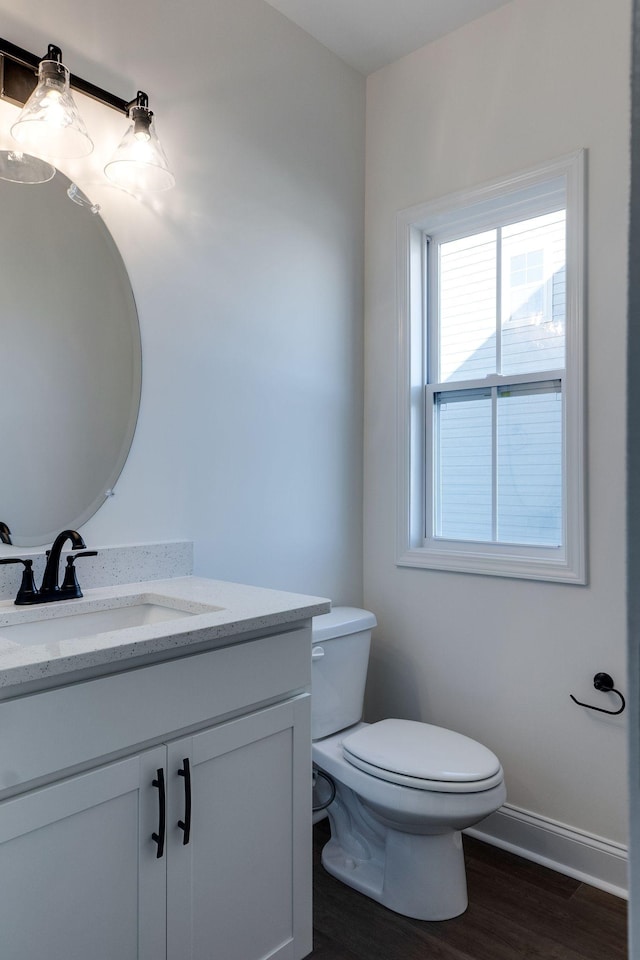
[(28, 590), (70, 587)]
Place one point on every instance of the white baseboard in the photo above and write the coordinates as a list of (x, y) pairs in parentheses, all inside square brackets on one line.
[(590, 859)]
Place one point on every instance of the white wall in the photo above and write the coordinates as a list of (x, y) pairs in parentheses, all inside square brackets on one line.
[(248, 279), (497, 658)]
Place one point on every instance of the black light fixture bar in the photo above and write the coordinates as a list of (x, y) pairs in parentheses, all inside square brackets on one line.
[(18, 79)]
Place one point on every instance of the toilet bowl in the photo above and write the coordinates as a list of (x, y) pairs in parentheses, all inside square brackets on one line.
[(404, 790)]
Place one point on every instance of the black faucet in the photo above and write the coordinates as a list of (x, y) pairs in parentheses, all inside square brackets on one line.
[(70, 589), (49, 589), (5, 533)]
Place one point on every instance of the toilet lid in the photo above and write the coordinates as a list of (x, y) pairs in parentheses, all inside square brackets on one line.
[(404, 751)]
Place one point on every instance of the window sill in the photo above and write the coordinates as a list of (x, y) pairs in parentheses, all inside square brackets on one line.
[(480, 562)]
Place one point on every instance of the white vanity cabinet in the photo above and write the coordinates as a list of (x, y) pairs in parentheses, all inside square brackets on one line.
[(233, 891), (211, 748), (77, 876)]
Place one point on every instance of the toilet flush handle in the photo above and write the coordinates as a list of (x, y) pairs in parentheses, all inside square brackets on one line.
[(317, 652)]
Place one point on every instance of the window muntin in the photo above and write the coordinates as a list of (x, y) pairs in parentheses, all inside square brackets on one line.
[(523, 360)]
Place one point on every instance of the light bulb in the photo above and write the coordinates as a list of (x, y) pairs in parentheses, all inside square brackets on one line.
[(141, 124)]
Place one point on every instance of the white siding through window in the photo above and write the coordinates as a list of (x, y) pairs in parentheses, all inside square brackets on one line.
[(467, 287), (534, 294), (497, 452), (529, 465), (464, 476)]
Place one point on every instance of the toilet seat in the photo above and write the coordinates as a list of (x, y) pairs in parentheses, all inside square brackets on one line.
[(422, 756)]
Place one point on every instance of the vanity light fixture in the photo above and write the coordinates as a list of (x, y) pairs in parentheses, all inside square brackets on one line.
[(139, 162), (50, 126)]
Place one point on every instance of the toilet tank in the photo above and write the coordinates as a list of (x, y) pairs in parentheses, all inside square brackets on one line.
[(340, 656)]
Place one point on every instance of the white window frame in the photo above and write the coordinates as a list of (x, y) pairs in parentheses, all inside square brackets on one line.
[(477, 209)]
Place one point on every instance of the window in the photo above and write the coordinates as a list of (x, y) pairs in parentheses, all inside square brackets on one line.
[(490, 378)]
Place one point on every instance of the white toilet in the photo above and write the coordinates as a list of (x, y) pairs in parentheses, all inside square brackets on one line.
[(403, 790)]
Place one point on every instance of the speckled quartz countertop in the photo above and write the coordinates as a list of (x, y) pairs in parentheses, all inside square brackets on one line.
[(215, 613)]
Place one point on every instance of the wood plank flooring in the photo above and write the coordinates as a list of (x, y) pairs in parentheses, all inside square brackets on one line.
[(517, 911)]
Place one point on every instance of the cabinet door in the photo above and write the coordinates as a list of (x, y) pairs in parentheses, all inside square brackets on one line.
[(241, 888), (77, 864)]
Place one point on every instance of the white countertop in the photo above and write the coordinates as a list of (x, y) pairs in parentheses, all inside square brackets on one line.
[(243, 609)]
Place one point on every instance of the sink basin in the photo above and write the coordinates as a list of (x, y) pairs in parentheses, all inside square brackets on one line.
[(122, 613)]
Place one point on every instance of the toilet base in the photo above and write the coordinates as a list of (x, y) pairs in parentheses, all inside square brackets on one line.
[(399, 845), (422, 877)]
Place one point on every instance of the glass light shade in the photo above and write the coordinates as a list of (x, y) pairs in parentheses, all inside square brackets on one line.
[(49, 124), (139, 164), (20, 167)]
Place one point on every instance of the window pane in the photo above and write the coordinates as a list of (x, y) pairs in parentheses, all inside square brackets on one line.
[(463, 457), (530, 464), (533, 294), (468, 307)]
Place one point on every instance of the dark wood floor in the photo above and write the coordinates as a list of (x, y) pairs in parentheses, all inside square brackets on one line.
[(517, 911)]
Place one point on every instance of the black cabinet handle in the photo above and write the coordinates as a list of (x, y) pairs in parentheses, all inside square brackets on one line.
[(185, 824), (159, 836)]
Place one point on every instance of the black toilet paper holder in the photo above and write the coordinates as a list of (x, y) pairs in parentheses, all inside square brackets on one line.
[(604, 682)]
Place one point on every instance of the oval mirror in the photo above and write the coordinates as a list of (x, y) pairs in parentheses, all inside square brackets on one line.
[(71, 360)]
